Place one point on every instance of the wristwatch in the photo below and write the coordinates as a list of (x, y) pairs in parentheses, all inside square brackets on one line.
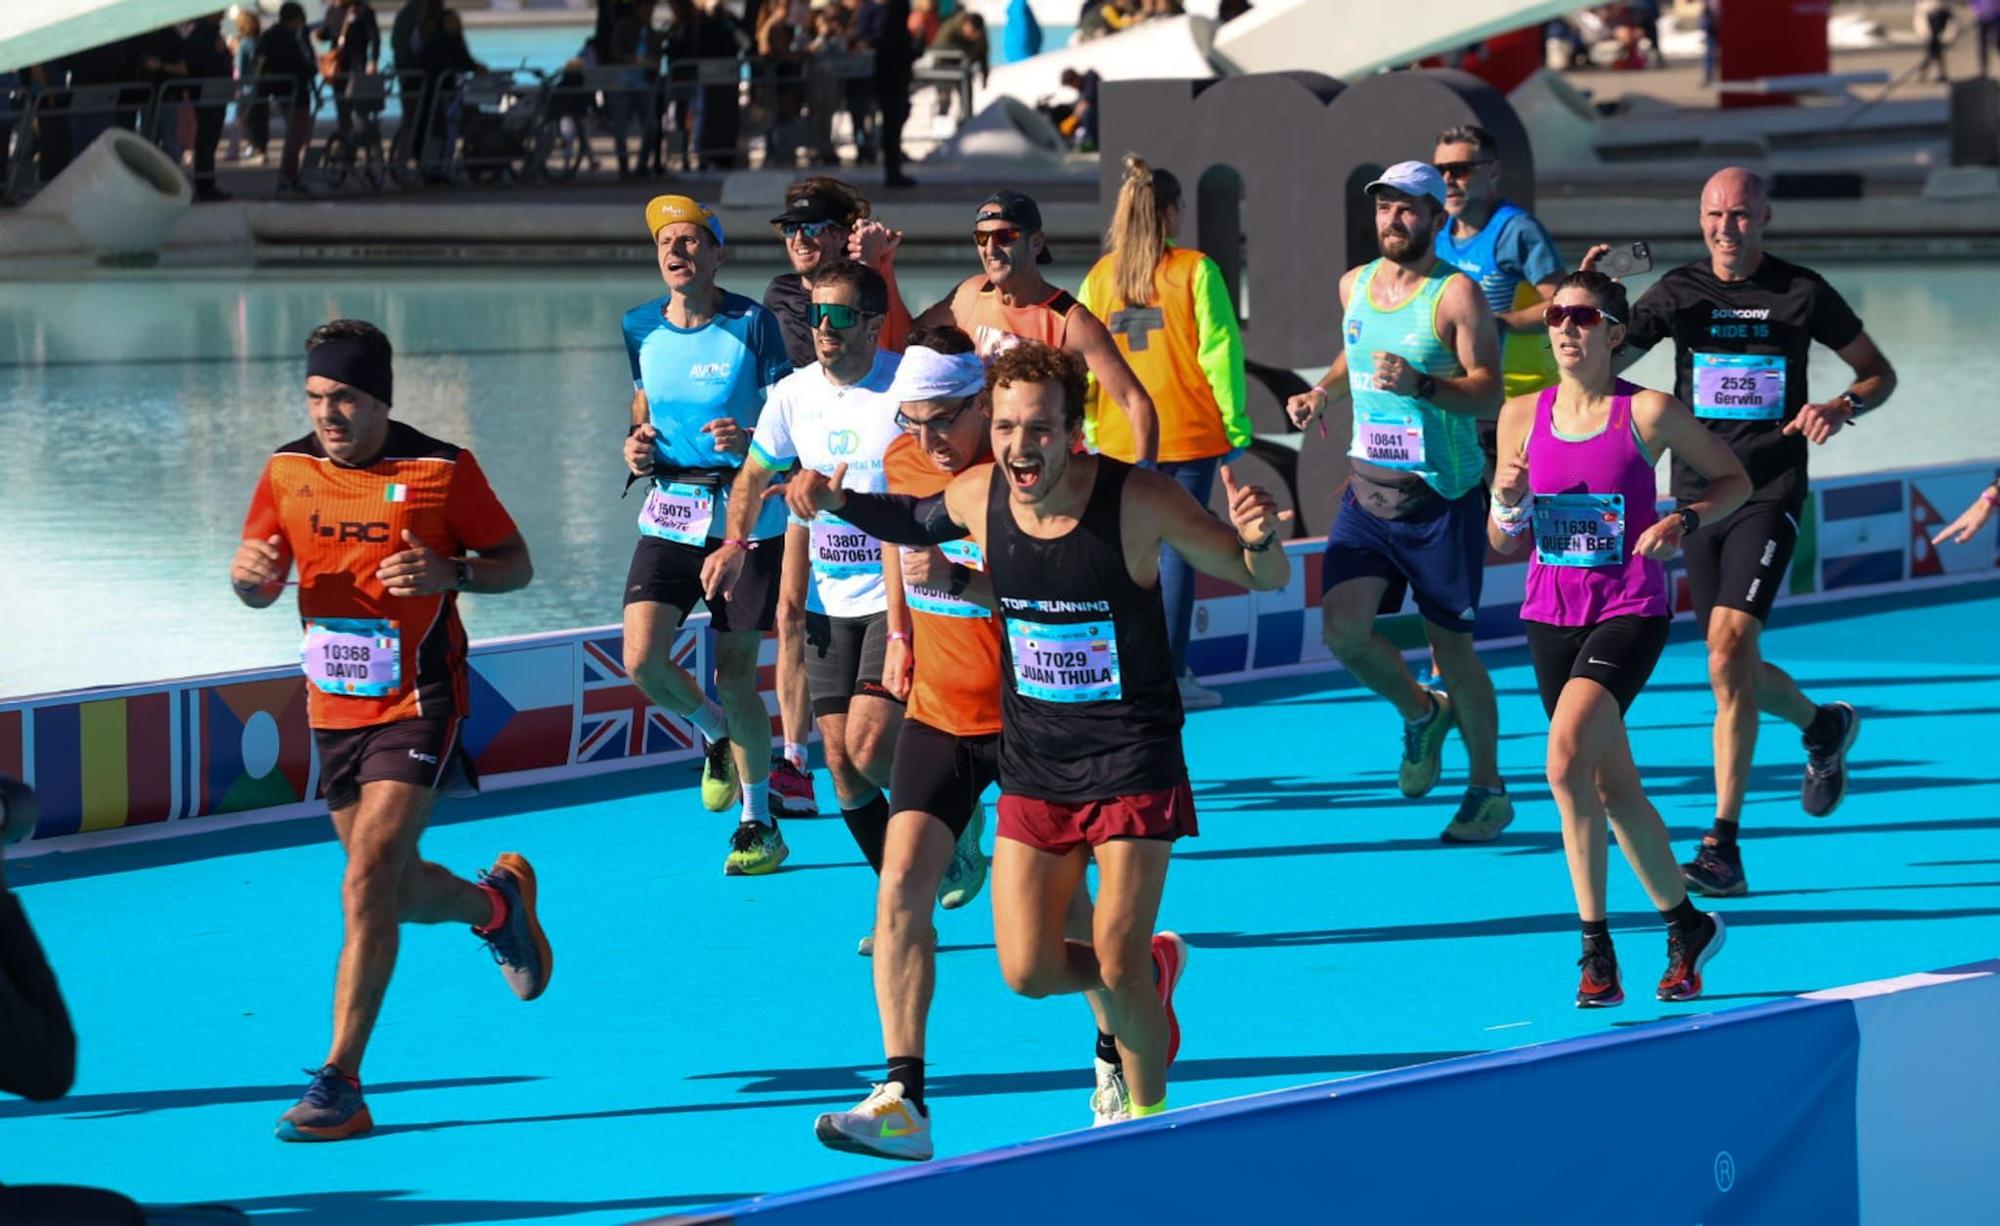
[(1855, 405), (1690, 519), (463, 566), (961, 578), (1427, 386), (1262, 546)]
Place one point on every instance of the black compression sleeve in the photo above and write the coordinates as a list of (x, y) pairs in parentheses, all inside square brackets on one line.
[(37, 1046), (901, 519)]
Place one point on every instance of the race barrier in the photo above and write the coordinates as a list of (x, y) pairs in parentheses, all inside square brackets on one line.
[(165, 757), (1876, 1103)]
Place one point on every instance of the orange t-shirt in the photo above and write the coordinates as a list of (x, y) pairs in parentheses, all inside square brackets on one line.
[(955, 684), (339, 523), (995, 326)]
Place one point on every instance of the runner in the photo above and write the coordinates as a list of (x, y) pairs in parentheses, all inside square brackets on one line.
[(1413, 514), (1576, 478), (1009, 302), (1090, 748), (703, 360), (1170, 315), (857, 652), (387, 525), (946, 757), (824, 219), (1742, 322)]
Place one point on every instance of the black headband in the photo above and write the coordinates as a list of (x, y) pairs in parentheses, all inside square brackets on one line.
[(353, 362)]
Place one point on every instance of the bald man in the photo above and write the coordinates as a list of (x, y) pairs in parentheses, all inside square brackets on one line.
[(1743, 322)]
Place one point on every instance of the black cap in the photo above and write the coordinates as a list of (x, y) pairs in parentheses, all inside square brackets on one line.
[(1006, 205), (812, 204)]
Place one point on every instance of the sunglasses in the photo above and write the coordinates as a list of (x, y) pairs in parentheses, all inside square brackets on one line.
[(1582, 316), (940, 423), (1458, 170), (811, 229), (839, 314), (1005, 236)]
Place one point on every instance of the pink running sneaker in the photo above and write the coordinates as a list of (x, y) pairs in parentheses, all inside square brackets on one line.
[(791, 790), (1170, 957)]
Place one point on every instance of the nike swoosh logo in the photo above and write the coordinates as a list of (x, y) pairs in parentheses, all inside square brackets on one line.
[(1602, 663)]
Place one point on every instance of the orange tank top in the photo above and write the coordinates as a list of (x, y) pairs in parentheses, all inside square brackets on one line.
[(955, 685), (995, 326)]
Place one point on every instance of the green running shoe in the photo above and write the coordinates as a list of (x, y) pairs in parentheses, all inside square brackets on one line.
[(755, 849), (1423, 748), (966, 875), (720, 787), (1481, 816)]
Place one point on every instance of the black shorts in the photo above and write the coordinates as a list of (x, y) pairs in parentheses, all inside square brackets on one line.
[(1618, 654), (941, 774), (425, 751), (1740, 563), (844, 658), (670, 573)]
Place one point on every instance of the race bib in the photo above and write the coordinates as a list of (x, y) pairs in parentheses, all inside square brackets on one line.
[(359, 657), (678, 512), (1394, 441), (842, 551), (1580, 529), (1069, 663), (944, 604), (1739, 386)]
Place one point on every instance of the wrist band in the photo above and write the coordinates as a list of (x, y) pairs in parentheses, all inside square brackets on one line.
[(633, 428), (1520, 513), (897, 636), (1990, 496), (1263, 546), (1511, 528), (746, 545)]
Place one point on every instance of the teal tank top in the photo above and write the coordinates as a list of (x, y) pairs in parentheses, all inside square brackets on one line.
[(1402, 433)]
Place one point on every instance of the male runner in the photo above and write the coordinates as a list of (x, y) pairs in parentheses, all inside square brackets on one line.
[(824, 219), (1009, 302), (703, 360), (1090, 747), (946, 757), (387, 525), (1743, 322), (1424, 365), (857, 643)]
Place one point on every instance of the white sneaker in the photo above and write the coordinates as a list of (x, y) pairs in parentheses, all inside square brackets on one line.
[(966, 874), (884, 1125), (1110, 1103), (1195, 696)]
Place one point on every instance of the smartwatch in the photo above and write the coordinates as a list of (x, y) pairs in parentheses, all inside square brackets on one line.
[(1427, 387), (1855, 405), (1690, 519), (464, 568)]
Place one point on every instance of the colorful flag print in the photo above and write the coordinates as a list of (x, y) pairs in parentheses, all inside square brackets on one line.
[(1863, 535), (254, 746), (13, 746), (1219, 634), (523, 703), (616, 720), (395, 493), (103, 764)]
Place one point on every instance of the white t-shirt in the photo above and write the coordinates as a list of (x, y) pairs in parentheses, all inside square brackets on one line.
[(810, 419)]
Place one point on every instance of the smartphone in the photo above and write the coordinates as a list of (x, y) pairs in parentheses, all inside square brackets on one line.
[(1626, 259)]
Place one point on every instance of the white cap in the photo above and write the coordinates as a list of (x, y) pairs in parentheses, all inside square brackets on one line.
[(1412, 179), (926, 374)]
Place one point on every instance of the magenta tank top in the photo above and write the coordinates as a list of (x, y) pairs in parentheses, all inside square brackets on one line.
[(1594, 499)]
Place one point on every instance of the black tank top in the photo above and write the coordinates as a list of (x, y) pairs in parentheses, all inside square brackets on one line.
[(1090, 707)]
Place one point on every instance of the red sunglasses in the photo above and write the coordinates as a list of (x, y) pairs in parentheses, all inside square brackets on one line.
[(1006, 236), (1583, 316)]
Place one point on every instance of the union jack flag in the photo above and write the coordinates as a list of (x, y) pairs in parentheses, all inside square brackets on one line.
[(617, 720)]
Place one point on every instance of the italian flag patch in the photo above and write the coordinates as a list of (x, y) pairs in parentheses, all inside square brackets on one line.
[(396, 493)]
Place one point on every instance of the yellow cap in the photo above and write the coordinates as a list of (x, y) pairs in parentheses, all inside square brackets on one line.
[(663, 211)]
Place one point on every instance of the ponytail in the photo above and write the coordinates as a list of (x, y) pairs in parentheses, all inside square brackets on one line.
[(1138, 236)]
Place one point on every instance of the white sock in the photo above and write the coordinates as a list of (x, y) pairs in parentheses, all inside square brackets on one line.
[(709, 720), (795, 753), (1430, 709), (757, 802)]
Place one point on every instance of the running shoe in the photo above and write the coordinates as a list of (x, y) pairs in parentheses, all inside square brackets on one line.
[(720, 786), (1481, 816), (1716, 871), (1170, 958), (1110, 1102), (1195, 696), (332, 1110), (867, 946), (791, 789), (1687, 955), (1826, 768), (755, 849), (518, 944), (885, 1125), (1423, 748), (966, 875), (1599, 987)]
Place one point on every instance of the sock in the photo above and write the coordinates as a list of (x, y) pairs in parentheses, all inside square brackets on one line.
[(499, 915), (1107, 1049), (1140, 1112), (868, 822), (1430, 709), (709, 720), (1683, 919), (795, 753), (1596, 932), (910, 1071), (1722, 834), (1825, 727), (757, 802), (1483, 790)]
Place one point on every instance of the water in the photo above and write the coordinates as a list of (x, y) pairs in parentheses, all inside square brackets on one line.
[(548, 47), (136, 410)]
